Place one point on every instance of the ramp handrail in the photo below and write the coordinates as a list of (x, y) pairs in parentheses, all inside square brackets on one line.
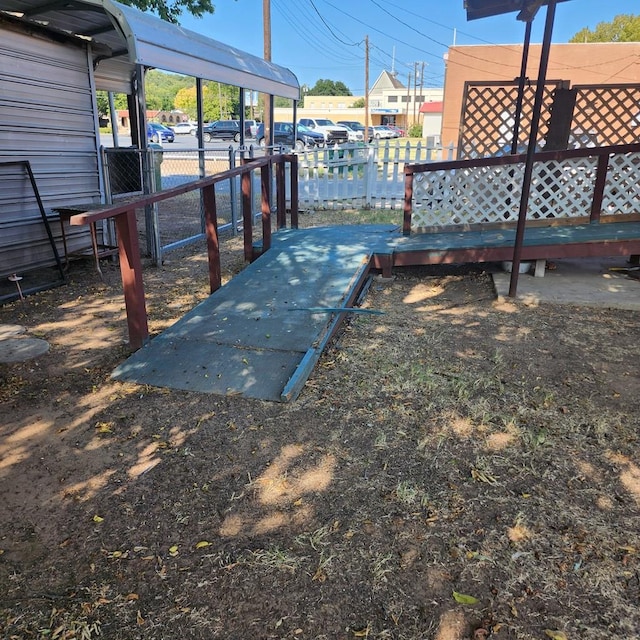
[(124, 217), (601, 182)]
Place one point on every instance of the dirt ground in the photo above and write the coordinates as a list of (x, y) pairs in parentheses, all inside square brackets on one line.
[(459, 467)]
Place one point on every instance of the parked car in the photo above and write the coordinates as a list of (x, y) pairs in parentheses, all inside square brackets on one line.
[(383, 132), (184, 128), (224, 130), (283, 134), (252, 126), (400, 131), (333, 133), (354, 125), (157, 132)]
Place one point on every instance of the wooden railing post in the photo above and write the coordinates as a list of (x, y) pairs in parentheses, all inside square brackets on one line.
[(131, 273), (247, 215), (211, 230), (598, 188), (265, 183), (408, 198), (293, 159), (281, 196)]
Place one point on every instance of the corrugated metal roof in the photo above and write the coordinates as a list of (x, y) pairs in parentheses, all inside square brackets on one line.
[(485, 8), (122, 37)]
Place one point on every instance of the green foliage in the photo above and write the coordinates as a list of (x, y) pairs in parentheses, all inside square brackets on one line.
[(169, 91), (161, 88), (280, 102), (170, 10), (415, 131), (329, 88), (357, 104), (623, 28), (219, 101), (102, 98)]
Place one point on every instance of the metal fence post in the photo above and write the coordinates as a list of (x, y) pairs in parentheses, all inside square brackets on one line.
[(151, 211)]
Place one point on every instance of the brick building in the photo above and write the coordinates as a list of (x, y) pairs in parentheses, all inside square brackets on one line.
[(602, 65)]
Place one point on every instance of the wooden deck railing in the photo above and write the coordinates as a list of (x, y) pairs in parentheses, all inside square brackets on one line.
[(124, 215), (573, 184)]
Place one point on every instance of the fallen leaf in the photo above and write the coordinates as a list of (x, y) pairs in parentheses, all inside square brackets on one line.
[(173, 551), (97, 518), (139, 618), (462, 598), (202, 544), (132, 596), (556, 635)]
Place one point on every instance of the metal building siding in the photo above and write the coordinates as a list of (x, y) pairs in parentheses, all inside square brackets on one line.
[(47, 117)]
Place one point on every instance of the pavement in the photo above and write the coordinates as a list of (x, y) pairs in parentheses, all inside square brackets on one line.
[(589, 282)]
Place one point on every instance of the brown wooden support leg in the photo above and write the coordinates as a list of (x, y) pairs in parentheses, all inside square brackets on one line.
[(386, 262), (265, 174), (213, 243), (294, 191), (408, 198), (131, 272), (281, 195), (247, 222), (94, 246)]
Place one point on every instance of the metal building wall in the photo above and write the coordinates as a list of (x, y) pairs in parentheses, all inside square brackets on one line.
[(47, 116)]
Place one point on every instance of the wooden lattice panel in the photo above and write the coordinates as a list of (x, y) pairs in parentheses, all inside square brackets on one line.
[(562, 189), (606, 115), (488, 117), (481, 195), (622, 191)]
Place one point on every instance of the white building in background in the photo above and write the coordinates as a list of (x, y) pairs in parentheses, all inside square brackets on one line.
[(390, 102)]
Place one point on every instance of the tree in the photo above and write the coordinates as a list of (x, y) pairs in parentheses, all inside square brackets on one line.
[(170, 10), (329, 88), (357, 104), (623, 28), (219, 101)]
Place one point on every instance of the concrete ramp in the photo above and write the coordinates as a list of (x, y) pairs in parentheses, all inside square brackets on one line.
[(262, 333)]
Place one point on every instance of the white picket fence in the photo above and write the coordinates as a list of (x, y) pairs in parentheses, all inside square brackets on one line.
[(359, 177)]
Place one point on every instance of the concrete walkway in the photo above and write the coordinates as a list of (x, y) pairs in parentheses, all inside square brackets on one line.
[(589, 282)]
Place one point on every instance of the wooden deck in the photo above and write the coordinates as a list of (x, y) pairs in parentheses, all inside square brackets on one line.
[(496, 245)]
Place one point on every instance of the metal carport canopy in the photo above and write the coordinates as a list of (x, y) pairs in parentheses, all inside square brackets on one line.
[(123, 37), (484, 8)]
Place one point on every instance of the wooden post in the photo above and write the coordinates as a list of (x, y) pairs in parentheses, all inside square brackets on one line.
[(131, 273), (213, 243), (265, 182)]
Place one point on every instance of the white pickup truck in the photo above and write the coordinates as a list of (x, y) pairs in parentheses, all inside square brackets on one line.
[(333, 133)]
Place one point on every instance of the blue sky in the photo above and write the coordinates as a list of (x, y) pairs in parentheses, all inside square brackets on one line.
[(325, 38)]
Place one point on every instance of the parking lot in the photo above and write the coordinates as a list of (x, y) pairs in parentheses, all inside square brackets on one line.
[(182, 142)]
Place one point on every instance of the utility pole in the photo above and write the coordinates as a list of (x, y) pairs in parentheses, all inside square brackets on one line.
[(366, 89), (415, 87), (421, 94), (408, 99), (268, 99)]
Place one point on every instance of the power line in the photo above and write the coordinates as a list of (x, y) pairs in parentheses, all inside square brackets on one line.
[(349, 44)]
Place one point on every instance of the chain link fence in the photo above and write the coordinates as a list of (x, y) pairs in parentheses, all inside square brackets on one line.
[(178, 221)]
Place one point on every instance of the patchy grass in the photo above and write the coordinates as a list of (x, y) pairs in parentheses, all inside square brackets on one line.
[(458, 467)]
